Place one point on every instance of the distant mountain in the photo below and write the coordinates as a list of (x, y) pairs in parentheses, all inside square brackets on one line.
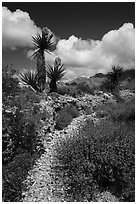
[(127, 80), (100, 75), (78, 80), (92, 82)]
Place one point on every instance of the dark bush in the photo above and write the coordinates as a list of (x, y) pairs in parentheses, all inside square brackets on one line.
[(68, 90), (20, 124), (63, 120), (63, 90), (65, 116), (17, 133), (124, 112), (21, 143), (112, 81), (14, 174), (74, 91), (72, 110), (85, 88), (9, 81), (98, 158)]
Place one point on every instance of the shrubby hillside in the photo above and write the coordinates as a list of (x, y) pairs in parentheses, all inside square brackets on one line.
[(89, 85), (75, 144)]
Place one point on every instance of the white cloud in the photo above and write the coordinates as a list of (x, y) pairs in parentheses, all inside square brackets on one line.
[(87, 57), (17, 29), (29, 54)]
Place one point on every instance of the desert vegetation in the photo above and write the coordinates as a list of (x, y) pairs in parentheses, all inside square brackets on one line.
[(70, 142), (55, 73)]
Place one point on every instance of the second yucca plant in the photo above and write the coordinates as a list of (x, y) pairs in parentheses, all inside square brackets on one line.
[(55, 73)]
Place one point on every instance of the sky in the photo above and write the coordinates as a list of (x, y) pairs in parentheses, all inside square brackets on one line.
[(93, 36)]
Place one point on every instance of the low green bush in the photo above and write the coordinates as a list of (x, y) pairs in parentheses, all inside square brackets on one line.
[(98, 158)]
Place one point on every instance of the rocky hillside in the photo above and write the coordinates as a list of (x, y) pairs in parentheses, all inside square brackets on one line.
[(45, 181), (68, 148)]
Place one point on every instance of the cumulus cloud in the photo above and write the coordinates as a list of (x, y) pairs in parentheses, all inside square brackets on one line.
[(29, 54), (87, 57), (17, 29)]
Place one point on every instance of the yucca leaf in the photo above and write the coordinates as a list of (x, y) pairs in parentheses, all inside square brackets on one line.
[(30, 78)]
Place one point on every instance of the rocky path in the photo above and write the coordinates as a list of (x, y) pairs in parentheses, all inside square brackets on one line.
[(42, 184)]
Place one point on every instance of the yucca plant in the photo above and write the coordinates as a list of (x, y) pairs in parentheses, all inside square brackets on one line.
[(115, 75), (43, 43), (112, 81), (55, 73), (30, 78)]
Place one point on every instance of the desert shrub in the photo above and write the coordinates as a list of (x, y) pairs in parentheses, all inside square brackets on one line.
[(63, 90), (65, 116), (74, 91), (124, 112), (87, 109), (20, 124), (63, 120), (72, 110), (21, 143), (20, 132), (17, 133), (9, 83), (13, 175), (98, 158), (69, 90), (130, 85), (112, 81), (85, 88), (20, 120)]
